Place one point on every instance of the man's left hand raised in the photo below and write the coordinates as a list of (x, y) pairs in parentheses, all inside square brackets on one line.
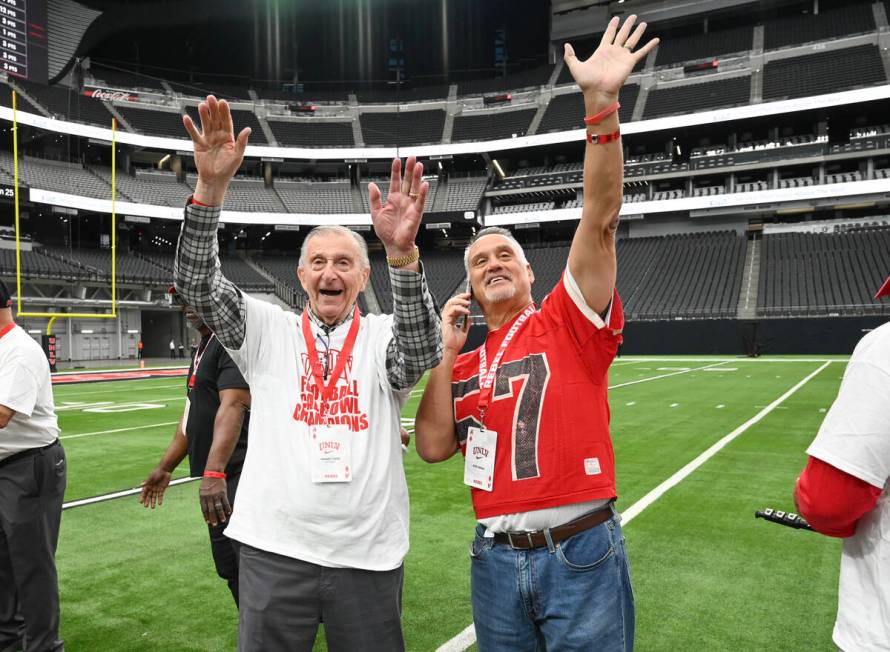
[(396, 221), (218, 154)]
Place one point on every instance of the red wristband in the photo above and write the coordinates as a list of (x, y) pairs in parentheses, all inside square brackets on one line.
[(602, 115), (595, 139), (194, 201), (214, 474)]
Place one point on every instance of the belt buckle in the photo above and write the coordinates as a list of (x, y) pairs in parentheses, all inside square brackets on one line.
[(528, 536)]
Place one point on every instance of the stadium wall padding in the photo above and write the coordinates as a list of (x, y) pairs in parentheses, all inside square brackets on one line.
[(799, 335)]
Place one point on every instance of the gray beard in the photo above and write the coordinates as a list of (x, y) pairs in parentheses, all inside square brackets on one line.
[(500, 295)]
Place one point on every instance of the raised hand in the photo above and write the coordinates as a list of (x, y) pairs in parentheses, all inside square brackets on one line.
[(610, 65), (153, 488), (218, 154), (396, 222), (454, 335)]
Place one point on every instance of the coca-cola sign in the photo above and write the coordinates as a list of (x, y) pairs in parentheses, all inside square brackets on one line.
[(110, 96)]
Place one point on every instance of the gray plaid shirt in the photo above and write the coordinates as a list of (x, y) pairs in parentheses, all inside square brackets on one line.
[(416, 344)]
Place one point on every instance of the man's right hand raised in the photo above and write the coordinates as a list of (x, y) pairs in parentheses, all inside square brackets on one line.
[(218, 154)]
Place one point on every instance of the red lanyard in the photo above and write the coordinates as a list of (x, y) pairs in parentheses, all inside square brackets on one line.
[(199, 354), (486, 374), (315, 365), (6, 329)]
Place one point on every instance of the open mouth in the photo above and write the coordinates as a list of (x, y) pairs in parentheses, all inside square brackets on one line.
[(330, 293), (497, 279)]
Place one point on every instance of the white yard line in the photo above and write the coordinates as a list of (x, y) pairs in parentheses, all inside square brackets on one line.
[(109, 390), (108, 432), (118, 494), (88, 372), (673, 373), (631, 512), (467, 637), (461, 642), (63, 407)]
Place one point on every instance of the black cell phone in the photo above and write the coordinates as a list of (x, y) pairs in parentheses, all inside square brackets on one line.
[(462, 320)]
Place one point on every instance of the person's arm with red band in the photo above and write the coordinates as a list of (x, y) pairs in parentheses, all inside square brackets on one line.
[(592, 259), (212, 494), (831, 500)]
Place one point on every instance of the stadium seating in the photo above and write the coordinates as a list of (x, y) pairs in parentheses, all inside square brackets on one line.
[(827, 24), (402, 127), (130, 268), (444, 273), (154, 123), (691, 275), (227, 91), (21, 103), (537, 76), (704, 46), (312, 133), (60, 176), (148, 186), (406, 93), (316, 197), (252, 196), (489, 126), (37, 265), (523, 208), (566, 112), (463, 194), (699, 96), (244, 276), (68, 103), (822, 273), (823, 72), (124, 79)]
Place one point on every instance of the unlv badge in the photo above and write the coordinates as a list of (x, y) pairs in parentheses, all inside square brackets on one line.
[(479, 460), (330, 454)]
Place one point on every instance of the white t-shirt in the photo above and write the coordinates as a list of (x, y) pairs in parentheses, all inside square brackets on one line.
[(26, 388), (855, 438), (358, 524)]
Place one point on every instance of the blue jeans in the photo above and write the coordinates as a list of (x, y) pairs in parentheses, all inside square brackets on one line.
[(572, 595)]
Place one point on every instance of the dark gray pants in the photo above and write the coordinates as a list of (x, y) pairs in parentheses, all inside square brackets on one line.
[(31, 492), (224, 549), (283, 600)]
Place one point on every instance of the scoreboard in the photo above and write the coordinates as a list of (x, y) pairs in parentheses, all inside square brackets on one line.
[(23, 41)]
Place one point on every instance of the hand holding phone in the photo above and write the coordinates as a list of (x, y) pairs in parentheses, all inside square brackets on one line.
[(456, 321)]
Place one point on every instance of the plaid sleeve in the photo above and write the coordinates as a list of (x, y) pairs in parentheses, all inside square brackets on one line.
[(198, 277), (417, 343)]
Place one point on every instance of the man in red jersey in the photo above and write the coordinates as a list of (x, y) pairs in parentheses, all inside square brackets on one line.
[(529, 408)]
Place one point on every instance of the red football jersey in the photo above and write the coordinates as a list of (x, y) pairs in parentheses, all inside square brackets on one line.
[(549, 407)]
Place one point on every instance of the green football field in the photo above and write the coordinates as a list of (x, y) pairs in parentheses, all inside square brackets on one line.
[(700, 444)]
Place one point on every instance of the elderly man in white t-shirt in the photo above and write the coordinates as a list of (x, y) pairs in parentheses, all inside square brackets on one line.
[(32, 484), (843, 492), (322, 513)]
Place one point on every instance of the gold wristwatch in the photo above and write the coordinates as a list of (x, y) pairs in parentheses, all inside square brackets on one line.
[(402, 261)]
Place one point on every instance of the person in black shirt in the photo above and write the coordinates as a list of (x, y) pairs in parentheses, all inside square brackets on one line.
[(213, 433)]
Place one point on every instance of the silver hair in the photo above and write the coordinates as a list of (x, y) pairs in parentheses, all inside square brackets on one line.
[(342, 230), (494, 230)]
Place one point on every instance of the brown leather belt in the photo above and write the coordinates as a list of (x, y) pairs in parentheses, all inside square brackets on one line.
[(529, 540)]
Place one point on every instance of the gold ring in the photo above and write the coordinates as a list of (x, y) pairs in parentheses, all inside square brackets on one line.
[(629, 47), (413, 194)]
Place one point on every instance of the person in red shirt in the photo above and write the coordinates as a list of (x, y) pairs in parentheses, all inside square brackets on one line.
[(529, 408)]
